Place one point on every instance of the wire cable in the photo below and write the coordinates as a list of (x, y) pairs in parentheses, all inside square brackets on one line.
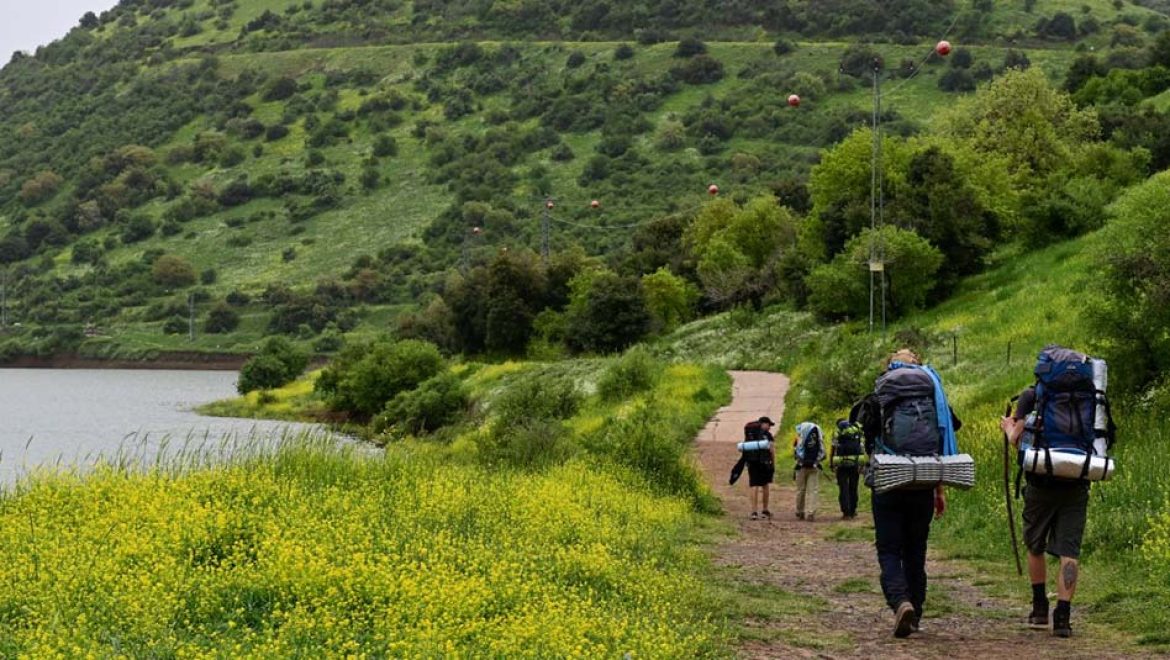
[(918, 69)]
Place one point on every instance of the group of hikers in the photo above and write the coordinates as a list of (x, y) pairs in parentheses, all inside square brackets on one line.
[(900, 440)]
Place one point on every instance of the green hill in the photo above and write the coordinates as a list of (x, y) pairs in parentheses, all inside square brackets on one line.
[(323, 162)]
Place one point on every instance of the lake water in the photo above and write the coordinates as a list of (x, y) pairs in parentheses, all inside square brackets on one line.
[(73, 416)]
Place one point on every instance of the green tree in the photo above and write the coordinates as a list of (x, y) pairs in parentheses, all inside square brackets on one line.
[(606, 312), (1022, 117), (737, 249), (222, 318), (669, 298), (840, 288), (367, 375), (278, 362), (435, 403), (172, 271)]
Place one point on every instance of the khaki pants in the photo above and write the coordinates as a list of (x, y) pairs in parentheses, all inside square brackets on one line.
[(807, 481)]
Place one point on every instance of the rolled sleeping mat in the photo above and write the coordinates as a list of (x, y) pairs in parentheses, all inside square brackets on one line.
[(755, 445), (1067, 464), (893, 472), (1100, 416)]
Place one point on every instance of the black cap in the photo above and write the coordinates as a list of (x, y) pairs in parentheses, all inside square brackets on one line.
[(765, 420)]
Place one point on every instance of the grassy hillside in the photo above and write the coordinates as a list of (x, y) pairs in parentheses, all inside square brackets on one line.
[(271, 145)]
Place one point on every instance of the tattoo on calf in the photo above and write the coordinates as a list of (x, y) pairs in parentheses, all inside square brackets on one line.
[(1069, 575)]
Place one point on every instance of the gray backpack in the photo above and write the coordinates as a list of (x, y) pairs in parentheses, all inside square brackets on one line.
[(908, 413)]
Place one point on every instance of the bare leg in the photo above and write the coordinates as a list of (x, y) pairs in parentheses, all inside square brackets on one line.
[(1066, 583), (1037, 568), (767, 491), (755, 498)]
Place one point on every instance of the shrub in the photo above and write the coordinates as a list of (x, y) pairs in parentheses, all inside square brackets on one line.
[(277, 363), (576, 59), (783, 47), (690, 47), (430, 406), (176, 325), (208, 276), (385, 146), (172, 271), (623, 52), (221, 318), (607, 313), (699, 70), (139, 228), (280, 89), (633, 373), (40, 187), (366, 376), (275, 132), (541, 396)]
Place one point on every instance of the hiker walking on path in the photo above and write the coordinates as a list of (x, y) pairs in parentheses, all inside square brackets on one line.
[(809, 449), (907, 415), (758, 454), (845, 462), (1062, 420)]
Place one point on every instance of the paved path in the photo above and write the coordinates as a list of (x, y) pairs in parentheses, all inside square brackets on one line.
[(830, 564)]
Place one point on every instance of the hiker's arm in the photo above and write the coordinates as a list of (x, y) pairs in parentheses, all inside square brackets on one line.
[(955, 421), (940, 501)]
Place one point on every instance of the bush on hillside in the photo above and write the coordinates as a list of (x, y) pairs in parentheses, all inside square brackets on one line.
[(365, 376), (172, 271), (222, 318), (435, 403), (633, 373), (278, 362)]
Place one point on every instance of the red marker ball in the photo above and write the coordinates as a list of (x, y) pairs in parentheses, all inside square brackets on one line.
[(475, 230), (548, 205), (714, 189), (943, 48), (794, 100), (595, 204)]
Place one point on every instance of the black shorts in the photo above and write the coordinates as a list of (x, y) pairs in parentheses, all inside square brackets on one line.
[(1054, 519), (760, 474)]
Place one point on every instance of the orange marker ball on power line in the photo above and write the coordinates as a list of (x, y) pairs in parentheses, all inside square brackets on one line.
[(943, 48), (794, 100), (548, 204), (595, 204), (713, 189), (476, 231)]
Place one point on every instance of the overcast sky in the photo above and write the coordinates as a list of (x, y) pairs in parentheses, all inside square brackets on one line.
[(26, 24)]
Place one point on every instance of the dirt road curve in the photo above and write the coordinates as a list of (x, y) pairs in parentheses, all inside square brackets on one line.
[(846, 615)]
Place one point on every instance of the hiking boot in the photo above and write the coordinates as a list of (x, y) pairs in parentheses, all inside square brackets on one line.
[(904, 620), (767, 514), (1060, 624), (916, 622), (755, 516), (1038, 619)]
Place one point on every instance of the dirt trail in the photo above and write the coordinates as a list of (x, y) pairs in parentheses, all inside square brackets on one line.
[(846, 615)]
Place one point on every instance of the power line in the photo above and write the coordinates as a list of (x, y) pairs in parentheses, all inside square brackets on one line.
[(921, 64)]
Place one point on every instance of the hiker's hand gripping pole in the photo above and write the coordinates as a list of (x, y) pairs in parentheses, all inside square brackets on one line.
[(1007, 493)]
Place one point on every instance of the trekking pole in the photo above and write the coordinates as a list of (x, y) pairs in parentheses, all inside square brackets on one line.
[(1007, 494)]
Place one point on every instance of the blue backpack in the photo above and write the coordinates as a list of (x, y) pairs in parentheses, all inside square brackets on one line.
[(1066, 401)]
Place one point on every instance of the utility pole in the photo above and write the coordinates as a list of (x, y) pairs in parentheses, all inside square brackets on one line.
[(4, 298), (877, 256), (191, 317), (544, 220)]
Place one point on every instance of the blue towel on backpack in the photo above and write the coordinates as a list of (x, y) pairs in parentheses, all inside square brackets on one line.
[(946, 426)]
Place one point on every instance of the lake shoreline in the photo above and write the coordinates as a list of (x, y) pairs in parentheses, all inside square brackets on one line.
[(170, 360), (164, 360)]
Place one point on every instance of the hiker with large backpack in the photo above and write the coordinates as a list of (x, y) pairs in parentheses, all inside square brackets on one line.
[(907, 419), (845, 462), (1062, 429), (809, 450), (758, 455)]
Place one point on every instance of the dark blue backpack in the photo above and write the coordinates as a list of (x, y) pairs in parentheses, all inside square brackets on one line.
[(1066, 401)]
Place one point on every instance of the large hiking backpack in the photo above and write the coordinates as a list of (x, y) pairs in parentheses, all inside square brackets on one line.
[(849, 445), (909, 416), (753, 432), (810, 448), (1071, 422)]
